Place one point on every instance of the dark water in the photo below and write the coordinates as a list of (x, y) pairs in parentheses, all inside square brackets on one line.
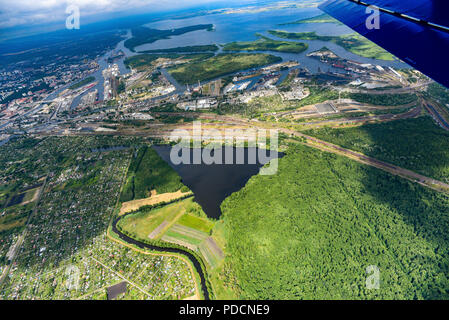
[(142, 245), (211, 184)]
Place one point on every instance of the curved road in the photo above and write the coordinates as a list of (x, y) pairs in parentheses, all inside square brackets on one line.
[(143, 245)]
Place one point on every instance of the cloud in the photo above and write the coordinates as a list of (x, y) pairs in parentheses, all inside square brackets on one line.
[(28, 12)]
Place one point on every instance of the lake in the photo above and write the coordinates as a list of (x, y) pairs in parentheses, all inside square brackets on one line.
[(212, 184)]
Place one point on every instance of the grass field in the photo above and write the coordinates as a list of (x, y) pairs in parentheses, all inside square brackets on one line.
[(188, 237), (142, 224), (212, 257), (220, 65), (195, 222)]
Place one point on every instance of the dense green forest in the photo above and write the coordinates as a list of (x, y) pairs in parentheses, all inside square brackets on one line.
[(354, 43), (416, 144), (311, 231), (267, 44), (148, 172), (220, 65)]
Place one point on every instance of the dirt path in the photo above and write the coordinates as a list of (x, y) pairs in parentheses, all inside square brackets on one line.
[(153, 200)]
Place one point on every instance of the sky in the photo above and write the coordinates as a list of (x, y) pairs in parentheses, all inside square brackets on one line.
[(17, 13)]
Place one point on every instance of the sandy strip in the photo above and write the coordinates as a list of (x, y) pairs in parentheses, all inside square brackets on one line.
[(153, 200)]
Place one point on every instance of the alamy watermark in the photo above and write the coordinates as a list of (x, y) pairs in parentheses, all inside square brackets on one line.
[(73, 277), (258, 141), (373, 20), (73, 20), (373, 278)]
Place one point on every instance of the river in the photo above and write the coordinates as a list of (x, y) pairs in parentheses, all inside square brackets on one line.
[(242, 27), (211, 184)]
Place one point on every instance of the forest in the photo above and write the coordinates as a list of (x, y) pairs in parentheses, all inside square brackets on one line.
[(267, 44), (354, 43), (416, 144), (312, 230), (148, 172)]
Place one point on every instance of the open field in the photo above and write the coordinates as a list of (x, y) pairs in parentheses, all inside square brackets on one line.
[(82, 83), (149, 172), (182, 223), (24, 197), (196, 222), (143, 223), (212, 257), (220, 65), (182, 235)]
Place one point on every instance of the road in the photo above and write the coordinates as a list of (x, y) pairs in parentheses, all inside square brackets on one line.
[(312, 142), (24, 233), (359, 157)]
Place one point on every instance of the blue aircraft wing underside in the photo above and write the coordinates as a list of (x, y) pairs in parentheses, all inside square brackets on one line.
[(423, 46), (433, 11)]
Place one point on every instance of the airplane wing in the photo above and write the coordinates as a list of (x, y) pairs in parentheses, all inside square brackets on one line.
[(416, 31)]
